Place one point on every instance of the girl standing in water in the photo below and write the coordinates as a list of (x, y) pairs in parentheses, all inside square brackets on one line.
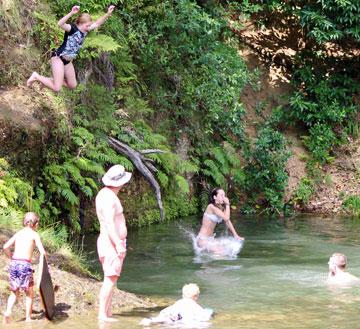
[(217, 211), (63, 72)]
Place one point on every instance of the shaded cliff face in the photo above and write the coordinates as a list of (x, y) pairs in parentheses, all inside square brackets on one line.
[(21, 133)]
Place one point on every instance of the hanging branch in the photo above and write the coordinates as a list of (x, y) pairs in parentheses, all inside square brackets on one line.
[(143, 165)]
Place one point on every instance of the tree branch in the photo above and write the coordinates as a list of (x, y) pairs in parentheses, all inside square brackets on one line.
[(143, 167)]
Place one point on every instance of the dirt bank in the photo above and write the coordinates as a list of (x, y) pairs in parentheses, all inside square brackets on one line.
[(75, 294)]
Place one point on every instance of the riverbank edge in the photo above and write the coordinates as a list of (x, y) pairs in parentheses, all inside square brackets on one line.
[(75, 293)]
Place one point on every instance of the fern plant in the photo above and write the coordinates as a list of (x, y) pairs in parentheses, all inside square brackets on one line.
[(223, 169)]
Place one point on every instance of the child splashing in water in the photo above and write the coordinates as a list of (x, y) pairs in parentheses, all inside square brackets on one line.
[(217, 211), (20, 269), (184, 311), (63, 72)]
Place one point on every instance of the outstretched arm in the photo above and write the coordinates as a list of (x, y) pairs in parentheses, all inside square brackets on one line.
[(102, 19), (62, 22), (232, 230), (8, 245)]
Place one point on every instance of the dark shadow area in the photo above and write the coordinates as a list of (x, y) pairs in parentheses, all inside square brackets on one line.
[(140, 311)]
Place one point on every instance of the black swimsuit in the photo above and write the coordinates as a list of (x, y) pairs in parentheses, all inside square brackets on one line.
[(71, 45)]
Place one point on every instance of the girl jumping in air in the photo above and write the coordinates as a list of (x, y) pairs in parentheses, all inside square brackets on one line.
[(63, 72)]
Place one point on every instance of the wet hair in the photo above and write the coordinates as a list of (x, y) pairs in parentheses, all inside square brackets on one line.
[(340, 260), (213, 194), (30, 219), (83, 18), (190, 290)]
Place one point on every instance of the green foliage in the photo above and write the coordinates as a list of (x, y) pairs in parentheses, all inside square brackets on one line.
[(351, 204), (320, 142), (223, 168), (176, 206), (304, 191), (332, 20), (179, 46), (14, 192), (322, 103), (97, 43), (322, 98), (266, 177)]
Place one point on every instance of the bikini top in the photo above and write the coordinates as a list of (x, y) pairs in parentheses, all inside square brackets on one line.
[(213, 217)]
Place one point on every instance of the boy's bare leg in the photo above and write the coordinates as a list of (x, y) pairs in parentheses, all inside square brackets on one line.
[(10, 304), (29, 303), (105, 296)]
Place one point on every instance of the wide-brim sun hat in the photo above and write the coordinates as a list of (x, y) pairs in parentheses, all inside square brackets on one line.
[(116, 176)]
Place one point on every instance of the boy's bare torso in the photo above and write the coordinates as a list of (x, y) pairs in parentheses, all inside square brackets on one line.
[(25, 241)]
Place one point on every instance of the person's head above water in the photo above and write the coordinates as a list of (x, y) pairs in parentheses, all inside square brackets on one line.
[(337, 261), (337, 273), (217, 196), (191, 290)]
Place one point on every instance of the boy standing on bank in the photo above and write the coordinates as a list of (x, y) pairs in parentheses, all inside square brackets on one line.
[(20, 269)]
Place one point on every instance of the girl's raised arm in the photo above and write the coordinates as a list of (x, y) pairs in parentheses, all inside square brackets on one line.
[(103, 18), (62, 22)]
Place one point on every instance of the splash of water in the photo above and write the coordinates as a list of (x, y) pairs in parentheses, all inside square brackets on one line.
[(226, 247)]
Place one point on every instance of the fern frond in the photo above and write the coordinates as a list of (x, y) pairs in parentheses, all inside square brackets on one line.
[(214, 173), (88, 165), (187, 167), (91, 183), (87, 191), (182, 184), (163, 178), (101, 42), (69, 196), (74, 172)]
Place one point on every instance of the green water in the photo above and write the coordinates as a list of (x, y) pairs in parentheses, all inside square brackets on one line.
[(277, 281)]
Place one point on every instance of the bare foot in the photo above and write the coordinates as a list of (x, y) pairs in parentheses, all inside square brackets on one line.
[(32, 79), (28, 320), (107, 319), (6, 318)]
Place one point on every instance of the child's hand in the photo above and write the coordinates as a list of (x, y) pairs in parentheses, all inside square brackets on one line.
[(238, 237), (75, 9), (111, 9)]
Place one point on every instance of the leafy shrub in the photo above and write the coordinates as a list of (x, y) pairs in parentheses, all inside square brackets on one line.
[(266, 177), (320, 142), (304, 191), (352, 205)]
